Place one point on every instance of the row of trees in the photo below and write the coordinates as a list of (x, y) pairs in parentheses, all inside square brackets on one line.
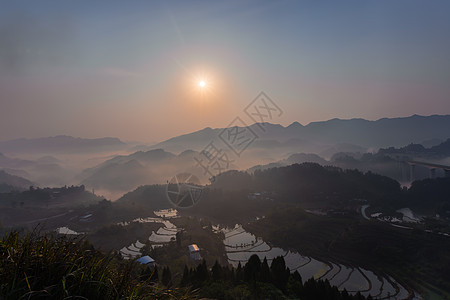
[(152, 275), (258, 280), (255, 280)]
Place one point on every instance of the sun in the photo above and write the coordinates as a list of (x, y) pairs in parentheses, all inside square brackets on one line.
[(202, 85)]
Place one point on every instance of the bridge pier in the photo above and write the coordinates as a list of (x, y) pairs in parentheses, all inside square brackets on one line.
[(403, 168), (412, 167), (432, 167), (447, 172), (432, 173)]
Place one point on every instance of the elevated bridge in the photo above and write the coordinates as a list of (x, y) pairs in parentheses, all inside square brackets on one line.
[(431, 166)]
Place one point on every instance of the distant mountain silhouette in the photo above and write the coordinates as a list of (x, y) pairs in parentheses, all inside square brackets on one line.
[(117, 176), (389, 162), (320, 136), (44, 171), (435, 152), (431, 142), (126, 172), (297, 158), (277, 146), (60, 144), (13, 163), (10, 182)]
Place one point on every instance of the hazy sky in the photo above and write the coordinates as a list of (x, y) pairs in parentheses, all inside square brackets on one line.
[(130, 69)]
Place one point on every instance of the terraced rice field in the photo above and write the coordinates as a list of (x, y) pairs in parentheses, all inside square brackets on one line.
[(240, 245), (162, 236)]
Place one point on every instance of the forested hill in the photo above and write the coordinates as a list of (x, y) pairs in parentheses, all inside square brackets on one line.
[(310, 184), (310, 181)]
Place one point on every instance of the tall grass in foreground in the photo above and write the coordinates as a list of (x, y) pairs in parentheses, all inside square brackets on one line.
[(58, 267)]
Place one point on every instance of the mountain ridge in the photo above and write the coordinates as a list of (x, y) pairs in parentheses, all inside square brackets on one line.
[(384, 132), (60, 143), (9, 182)]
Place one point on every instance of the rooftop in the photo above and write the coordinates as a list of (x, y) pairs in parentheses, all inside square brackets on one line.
[(193, 248), (145, 260)]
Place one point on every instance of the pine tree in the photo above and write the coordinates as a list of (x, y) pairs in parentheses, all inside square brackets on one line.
[(280, 275), (239, 273), (217, 271), (185, 279), (265, 271), (252, 268), (296, 285), (201, 272), (166, 277), (297, 277)]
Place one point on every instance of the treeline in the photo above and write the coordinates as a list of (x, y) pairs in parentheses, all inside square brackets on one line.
[(258, 280), (312, 182), (441, 150), (333, 186), (41, 196)]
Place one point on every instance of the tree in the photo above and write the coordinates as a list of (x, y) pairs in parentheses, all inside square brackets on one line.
[(186, 278), (265, 271), (297, 277), (280, 275), (239, 273), (252, 268), (216, 271), (201, 272), (166, 277)]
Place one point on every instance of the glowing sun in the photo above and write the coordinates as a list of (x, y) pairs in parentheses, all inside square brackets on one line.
[(202, 83)]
